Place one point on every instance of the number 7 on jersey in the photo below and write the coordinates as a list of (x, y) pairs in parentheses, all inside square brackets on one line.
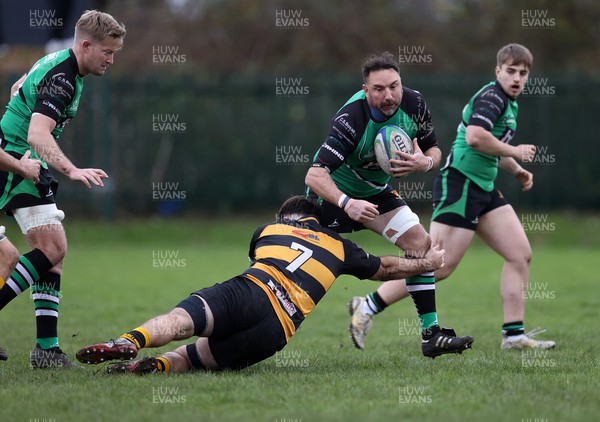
[(300, 259)]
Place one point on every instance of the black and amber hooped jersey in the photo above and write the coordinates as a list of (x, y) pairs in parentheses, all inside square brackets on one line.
[(296, 262)]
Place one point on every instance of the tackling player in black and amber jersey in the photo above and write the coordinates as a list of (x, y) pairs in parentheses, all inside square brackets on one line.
[(248, 318)]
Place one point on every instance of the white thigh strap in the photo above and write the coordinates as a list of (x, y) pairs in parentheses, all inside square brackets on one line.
[(39, 215), (400, 223)]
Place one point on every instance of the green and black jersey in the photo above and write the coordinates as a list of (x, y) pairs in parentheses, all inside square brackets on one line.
[(491, 109), (52, 87), (296, 262), (348, 152)]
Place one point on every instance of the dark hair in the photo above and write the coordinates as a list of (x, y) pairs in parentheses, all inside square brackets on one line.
[(514, 54), (381, 61), (298, 204)]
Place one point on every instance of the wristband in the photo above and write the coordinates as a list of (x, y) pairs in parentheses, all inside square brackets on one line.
[(343, 201), (430, 165)]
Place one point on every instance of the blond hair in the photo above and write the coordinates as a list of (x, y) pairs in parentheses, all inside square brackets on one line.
[(97, 26)]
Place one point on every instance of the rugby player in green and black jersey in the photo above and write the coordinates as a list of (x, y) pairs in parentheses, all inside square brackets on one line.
[(355, 194), (248, 318), (466, 201), (44, 101)]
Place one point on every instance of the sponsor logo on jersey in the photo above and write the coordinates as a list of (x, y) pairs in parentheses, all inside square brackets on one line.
[(287, 304), (370, 165), (343, 122), (60, 77), (482, 117), (493, 94), (305, 235), (334, 151), (63, 123), (51, 106), (369, 155)]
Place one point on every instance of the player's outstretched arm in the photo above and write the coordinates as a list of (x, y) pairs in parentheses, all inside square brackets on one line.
[(41, 139), (395, 267), (484, 141)]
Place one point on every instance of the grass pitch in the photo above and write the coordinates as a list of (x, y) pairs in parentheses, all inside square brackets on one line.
[(117, 276)]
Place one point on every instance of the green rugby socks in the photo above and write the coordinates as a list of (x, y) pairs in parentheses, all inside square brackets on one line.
[(422, 291), (373, 304), (46, 298), (29, 269), (511, 329)]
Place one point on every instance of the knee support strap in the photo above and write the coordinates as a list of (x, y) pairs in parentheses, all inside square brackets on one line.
[(399, 224), (194, 306), (193, 356), (37, 216)]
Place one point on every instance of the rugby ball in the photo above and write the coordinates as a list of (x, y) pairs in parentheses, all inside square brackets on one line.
[(388, 140)]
